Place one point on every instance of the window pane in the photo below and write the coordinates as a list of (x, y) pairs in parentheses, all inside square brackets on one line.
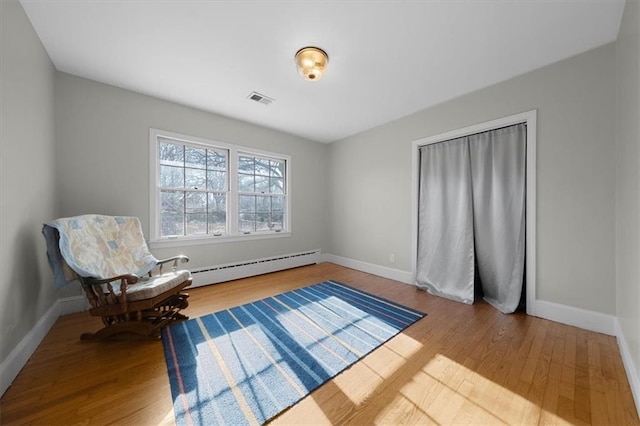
[(245, 164), (247, 203), (170, 153), (262, 222), (171, 213), (196, 223), (277, 221), (216, 160), (277, 204), (262, 184), (171, 224), (217, 181), (172, 201), (246, 222), (217, 202), (245, 183), (171, 177), (195, 157), (195, 178), (263, 204), (276, 186), (217, 208), (277, 168), (196, 202), (262, 167), (217, 223), (196, 213)]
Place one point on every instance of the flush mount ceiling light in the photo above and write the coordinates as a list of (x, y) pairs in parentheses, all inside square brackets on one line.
[(312, 63)]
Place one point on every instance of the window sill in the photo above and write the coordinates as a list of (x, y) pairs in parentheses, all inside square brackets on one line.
[(196, 241)]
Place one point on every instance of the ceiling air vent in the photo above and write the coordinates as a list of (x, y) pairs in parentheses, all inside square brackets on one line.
[(261, 99)]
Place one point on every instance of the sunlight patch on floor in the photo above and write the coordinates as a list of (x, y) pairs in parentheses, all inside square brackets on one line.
[(376, 368), (445, 392), (313, 414), (168, 419)]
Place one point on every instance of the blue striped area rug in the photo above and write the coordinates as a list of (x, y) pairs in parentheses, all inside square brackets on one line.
[(246, 364)]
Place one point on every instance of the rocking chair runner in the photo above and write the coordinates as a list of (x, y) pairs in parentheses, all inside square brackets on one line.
[(123, 281)]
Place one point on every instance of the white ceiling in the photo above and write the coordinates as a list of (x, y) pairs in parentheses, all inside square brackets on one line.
[(387, 59)]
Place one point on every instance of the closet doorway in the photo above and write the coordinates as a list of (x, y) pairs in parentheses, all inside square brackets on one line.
[(527, 123)]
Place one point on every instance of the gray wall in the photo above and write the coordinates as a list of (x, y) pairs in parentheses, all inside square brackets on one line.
[(628, 180), (27, 190), (370, 177), (103, 163)]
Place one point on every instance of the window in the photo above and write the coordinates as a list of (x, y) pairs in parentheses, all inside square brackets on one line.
[(204, 191), (261, 193), (192, 189)]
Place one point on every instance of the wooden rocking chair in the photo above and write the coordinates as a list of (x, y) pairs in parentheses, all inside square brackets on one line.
[(124, 283)]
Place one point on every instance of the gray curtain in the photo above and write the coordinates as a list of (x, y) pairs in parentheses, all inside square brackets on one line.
[(445, 221), (472, 211)]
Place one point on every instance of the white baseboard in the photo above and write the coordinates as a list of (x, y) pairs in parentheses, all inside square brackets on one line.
[(19, 356), (582, 318), (70, 305), (249, 268), (370, 268), (629, 367)]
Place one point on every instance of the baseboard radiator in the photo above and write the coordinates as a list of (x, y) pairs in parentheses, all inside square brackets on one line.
[(249, 268)]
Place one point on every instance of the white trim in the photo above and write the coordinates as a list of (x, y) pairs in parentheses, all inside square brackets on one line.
[(18, 357), (568, 315), (629, 368), (530, 118), (70, 305), (154, 176), (577, 317), (370, 268), (415, 179), (196, 241)]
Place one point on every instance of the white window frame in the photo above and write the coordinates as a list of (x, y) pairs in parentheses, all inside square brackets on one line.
[(233, 234)]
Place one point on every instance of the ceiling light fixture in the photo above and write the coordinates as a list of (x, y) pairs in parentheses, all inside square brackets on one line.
[(312, 63)]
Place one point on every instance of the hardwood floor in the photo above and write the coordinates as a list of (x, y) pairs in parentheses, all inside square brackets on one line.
[(459, 365)]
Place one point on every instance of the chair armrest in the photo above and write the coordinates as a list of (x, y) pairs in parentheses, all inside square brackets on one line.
[(181, 258), (96, 292)]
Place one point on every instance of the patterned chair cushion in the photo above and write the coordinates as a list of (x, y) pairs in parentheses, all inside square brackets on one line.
[(148, 287)]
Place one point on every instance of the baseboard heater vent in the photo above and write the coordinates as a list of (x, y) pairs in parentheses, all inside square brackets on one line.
[(249, 268)]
